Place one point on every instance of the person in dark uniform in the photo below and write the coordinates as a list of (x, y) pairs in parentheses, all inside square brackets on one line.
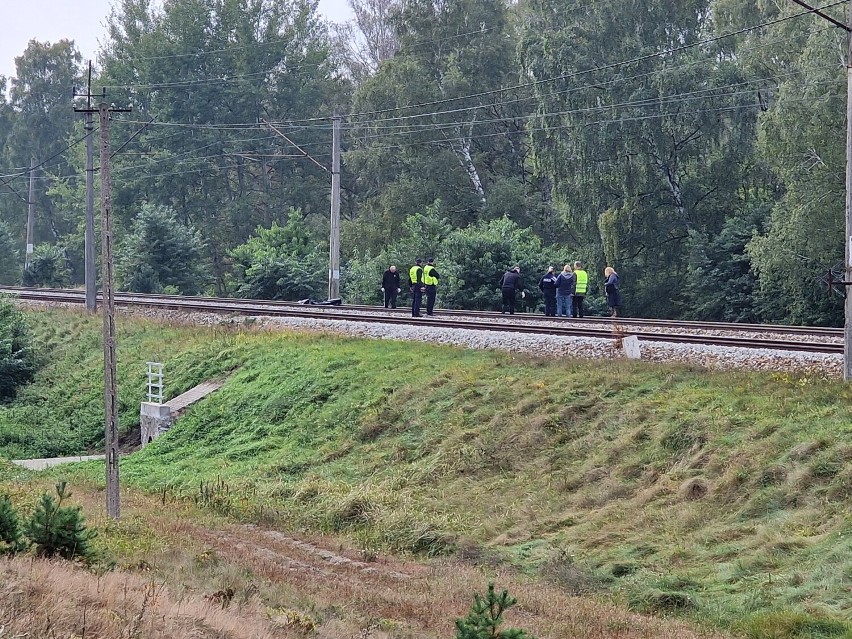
[(415, 278), (430, 281), (510, 283), (390, 286), (547, 285)]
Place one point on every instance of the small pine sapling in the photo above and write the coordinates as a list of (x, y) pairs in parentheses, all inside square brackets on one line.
[(485, 617), (10, 528), (55, 529)]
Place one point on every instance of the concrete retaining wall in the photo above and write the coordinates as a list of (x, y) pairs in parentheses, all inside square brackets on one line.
[(155, 419)]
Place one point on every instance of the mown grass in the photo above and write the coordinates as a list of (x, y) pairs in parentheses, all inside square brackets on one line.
[(722, 496)]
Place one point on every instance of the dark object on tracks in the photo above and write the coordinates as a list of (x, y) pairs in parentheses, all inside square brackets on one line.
[(333, 302)]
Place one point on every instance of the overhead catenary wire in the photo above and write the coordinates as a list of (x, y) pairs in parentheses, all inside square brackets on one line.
[(602, 83), (536, 83), (602, 122), (256, 45), (605, 67), (709, 93), (702, 94), (43, 162)]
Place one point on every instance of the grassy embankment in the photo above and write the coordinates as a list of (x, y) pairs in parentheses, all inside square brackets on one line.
[(722, 496)]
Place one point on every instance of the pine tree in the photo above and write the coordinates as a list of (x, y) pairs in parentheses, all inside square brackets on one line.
[(58, 530), (485, 617), (10, 528)]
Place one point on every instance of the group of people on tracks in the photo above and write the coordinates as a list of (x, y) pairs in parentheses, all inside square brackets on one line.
[(564, 292)]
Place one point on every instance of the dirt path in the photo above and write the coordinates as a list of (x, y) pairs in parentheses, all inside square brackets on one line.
[(41, 464), (187, 574)]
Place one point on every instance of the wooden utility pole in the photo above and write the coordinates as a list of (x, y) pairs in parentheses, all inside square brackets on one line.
[(847, 334), (110, 372), (108, 280), (334, 243), (30, 215)]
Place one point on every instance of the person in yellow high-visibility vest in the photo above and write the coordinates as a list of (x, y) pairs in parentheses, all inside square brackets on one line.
[(415, 277), (430, 280), (580, 291)]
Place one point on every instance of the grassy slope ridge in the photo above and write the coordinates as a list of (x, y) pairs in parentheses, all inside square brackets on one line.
[(723, 494)]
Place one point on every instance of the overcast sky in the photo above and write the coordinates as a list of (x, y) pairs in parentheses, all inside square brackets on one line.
[(83, 22)]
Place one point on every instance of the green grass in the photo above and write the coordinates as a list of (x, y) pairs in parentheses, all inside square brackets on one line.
[(723, 496)]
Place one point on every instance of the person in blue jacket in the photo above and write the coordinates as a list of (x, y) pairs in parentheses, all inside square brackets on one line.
[(565, 283)]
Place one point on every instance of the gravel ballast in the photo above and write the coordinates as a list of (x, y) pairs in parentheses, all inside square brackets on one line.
[(711, 357)]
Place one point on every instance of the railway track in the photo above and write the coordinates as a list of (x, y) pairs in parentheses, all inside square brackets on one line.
[(478, 321)]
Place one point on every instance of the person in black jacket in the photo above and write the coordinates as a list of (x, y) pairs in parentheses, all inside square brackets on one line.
[(390, 286), (510, 283), (547, 285), (613, 292)]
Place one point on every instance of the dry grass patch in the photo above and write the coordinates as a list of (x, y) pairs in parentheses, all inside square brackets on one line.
[(58, 599), (210, 579)]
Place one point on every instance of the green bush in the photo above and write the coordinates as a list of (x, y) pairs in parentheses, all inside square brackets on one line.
[(55, 529), (161, 252), (280, 263), (48, 267), (10, 528), (485, 617), (17, 358)]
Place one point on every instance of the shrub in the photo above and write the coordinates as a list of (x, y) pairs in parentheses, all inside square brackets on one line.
[(55, 529), (160, 253), (485, 617), (17, 358), (48, 267), (10, 528), (280, 263)]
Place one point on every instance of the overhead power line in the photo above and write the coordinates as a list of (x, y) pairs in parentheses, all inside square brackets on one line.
[(605, 67)]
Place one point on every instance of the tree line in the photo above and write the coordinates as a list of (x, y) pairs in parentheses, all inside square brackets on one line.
[(695, 145)]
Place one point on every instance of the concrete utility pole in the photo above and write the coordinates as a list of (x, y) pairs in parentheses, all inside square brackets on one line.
[(89, 248), (847, 280), (334, 243), (30, 215), (91, 274)]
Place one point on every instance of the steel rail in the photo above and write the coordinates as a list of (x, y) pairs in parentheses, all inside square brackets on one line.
[(527, 317), (261, 307)]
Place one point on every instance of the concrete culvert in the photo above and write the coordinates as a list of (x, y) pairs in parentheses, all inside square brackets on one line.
[(695, 488)]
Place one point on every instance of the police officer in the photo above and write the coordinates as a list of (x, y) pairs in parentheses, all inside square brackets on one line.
[(547, 285), (580, 290), (415, 277), (510, 283), (430, 280)]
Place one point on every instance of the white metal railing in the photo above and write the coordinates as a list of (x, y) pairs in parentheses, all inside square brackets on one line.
[(155, 382)]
